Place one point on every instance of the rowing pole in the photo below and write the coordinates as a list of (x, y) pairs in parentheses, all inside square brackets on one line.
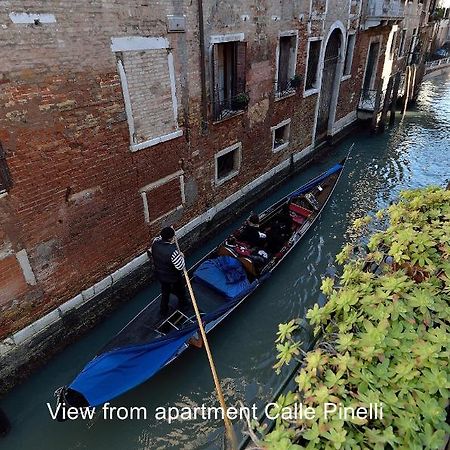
[(228, 426)]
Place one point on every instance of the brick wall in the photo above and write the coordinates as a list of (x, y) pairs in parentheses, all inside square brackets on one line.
[(11, 279), (76, 204)]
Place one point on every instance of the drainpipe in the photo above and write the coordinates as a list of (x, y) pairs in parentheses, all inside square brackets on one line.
[(201, 28)]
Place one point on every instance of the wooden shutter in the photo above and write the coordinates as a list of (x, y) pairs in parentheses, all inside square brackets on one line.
[(283, 62), (241, 67), (5, 176), (215, 96)]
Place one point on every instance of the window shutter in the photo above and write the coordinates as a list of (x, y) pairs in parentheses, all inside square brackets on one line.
[(283, 62), (215, 96), (5, 177), (241, 69)]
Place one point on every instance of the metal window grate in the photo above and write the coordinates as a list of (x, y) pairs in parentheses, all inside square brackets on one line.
[(228, 107), (229, 77)]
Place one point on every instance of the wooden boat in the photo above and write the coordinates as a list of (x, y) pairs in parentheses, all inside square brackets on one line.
[(222, 280)]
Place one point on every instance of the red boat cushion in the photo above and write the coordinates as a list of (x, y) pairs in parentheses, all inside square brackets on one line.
[(297, 219), (242, 249), (300, 210)]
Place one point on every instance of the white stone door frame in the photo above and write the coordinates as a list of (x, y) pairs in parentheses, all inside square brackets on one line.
[(338, 77)]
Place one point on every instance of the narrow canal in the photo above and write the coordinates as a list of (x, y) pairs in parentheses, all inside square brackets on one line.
[(415, 153)]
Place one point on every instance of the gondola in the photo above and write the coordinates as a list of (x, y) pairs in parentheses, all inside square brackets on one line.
[(221, 281)]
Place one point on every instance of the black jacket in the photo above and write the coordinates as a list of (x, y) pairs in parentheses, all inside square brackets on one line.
[(164, 254), (251, 236)]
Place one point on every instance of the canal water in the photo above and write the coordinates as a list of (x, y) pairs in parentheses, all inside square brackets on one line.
[(415, 153)]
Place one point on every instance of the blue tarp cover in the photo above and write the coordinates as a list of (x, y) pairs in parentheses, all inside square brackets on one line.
[(316, 181), (224, 274), (115, 372)]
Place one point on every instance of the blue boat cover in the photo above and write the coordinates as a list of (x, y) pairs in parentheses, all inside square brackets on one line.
[(316, 181), (224, 274), (114, 373), (117, 371)]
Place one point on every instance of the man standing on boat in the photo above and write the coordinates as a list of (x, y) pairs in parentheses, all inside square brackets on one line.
[(169, 266)]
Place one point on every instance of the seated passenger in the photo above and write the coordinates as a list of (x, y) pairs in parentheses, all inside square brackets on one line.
[(280, 231), (235, 247), (251, 234)]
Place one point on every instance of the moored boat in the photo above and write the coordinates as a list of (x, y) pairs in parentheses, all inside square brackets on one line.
[(221, 281)]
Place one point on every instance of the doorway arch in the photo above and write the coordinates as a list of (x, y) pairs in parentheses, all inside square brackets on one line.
[(329, 91)]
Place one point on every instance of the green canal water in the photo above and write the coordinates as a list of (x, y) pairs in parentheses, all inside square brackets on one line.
[(415, 153)]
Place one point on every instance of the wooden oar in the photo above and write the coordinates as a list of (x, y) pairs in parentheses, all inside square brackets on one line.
[(228, 425)]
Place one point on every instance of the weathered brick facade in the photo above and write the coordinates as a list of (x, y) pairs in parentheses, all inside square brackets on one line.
[(94, 177)]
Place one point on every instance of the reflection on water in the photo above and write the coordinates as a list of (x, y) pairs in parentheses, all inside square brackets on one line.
[(413, 154)]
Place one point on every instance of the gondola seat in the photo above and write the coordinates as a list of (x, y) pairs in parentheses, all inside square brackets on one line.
[(298, 213)]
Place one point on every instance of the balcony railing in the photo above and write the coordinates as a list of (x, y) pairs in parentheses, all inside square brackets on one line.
[(437, 63), (287, 88), (386, 9), (383, 10), (228, 107)]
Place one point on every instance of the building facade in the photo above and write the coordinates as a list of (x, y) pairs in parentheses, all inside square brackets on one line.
[(120, 117)]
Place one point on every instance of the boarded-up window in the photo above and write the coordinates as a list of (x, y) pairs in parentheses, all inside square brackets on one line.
[(148, 80), (5, 177), (229, 78), (163, 197), (313, 64)]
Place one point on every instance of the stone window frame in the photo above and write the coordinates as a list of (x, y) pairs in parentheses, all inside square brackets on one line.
[(215, 40), (372, 40), (287, 33), (281, 147), (308, 92), (156, 184), (237, 146), (139, 43), (347, 76)]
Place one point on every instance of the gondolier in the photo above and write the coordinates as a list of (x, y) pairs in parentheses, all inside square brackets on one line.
[(169, 265)]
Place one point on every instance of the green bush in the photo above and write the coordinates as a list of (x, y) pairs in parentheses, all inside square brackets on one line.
[(382, 337)]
